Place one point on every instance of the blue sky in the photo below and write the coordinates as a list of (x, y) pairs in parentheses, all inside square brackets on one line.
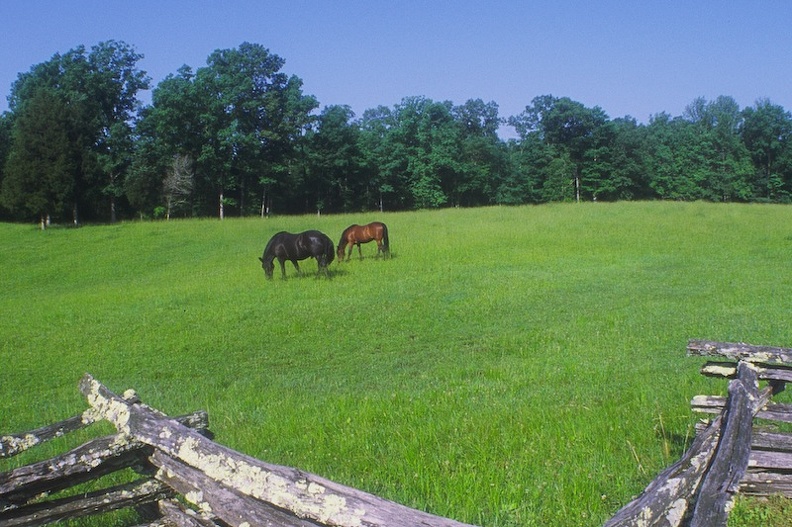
[(634, 58)]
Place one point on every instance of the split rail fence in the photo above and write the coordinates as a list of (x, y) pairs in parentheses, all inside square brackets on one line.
[(188, 480), (176, 459), (738, 451)]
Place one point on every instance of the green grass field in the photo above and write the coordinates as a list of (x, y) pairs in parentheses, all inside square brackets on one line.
[(507, 367)]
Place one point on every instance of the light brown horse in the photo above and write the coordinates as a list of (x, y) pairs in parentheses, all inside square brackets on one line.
[(357, 234)]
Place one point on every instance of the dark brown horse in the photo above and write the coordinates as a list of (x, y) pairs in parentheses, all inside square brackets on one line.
[(287, 246), (357, 234)]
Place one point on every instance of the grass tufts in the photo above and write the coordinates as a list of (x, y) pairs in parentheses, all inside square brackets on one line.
[(508, 366)]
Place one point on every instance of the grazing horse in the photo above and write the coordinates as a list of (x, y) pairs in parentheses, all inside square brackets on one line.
[(357, 234), (287, 246)]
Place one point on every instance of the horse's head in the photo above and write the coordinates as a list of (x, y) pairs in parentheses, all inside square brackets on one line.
[(340, 252), (268, 266)]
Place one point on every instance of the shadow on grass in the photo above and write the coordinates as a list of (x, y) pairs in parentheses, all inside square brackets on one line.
[(368, 257), (337, 269), (302, 274)]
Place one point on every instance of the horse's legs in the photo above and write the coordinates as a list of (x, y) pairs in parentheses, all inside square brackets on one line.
[(360, 251), (282, 263), (379, 247), (323, 267), (296, 266), (350, 246)]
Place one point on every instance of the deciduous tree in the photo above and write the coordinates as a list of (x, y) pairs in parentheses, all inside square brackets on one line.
[(565, 124), (98, 89), (334, 163), (766, 132)]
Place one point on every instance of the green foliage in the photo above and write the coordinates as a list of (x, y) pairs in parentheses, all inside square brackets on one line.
[(91, 99), (508, 366), (766, 131), (245, 120), (41, 172), (432, 154), (334, 162), (257, 145)]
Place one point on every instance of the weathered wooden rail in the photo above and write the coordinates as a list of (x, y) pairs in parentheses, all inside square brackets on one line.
[(176, 458), (731, 453), (179, 464)]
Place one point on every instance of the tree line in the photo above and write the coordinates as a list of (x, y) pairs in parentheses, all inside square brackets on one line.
[(239, 137)]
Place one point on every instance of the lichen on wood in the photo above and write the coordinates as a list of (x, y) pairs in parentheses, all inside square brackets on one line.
[(302, 494), (11, 445), (113, 409)]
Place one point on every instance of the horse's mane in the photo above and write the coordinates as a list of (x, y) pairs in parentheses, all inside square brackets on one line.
[(270, 243), (344, 234)]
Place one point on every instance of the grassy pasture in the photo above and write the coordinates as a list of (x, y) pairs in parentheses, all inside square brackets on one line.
[(507, 367)]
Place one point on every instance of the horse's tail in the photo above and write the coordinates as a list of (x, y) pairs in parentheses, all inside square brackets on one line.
[(329, 252), (385, 241)]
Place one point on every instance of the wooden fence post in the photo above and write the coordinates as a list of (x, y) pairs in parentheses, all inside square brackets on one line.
[(728, 466)]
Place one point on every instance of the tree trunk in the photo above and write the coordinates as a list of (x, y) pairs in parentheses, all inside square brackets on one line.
[(242, 196)]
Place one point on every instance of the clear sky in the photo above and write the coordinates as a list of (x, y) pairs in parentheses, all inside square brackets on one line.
[(635, 58)]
